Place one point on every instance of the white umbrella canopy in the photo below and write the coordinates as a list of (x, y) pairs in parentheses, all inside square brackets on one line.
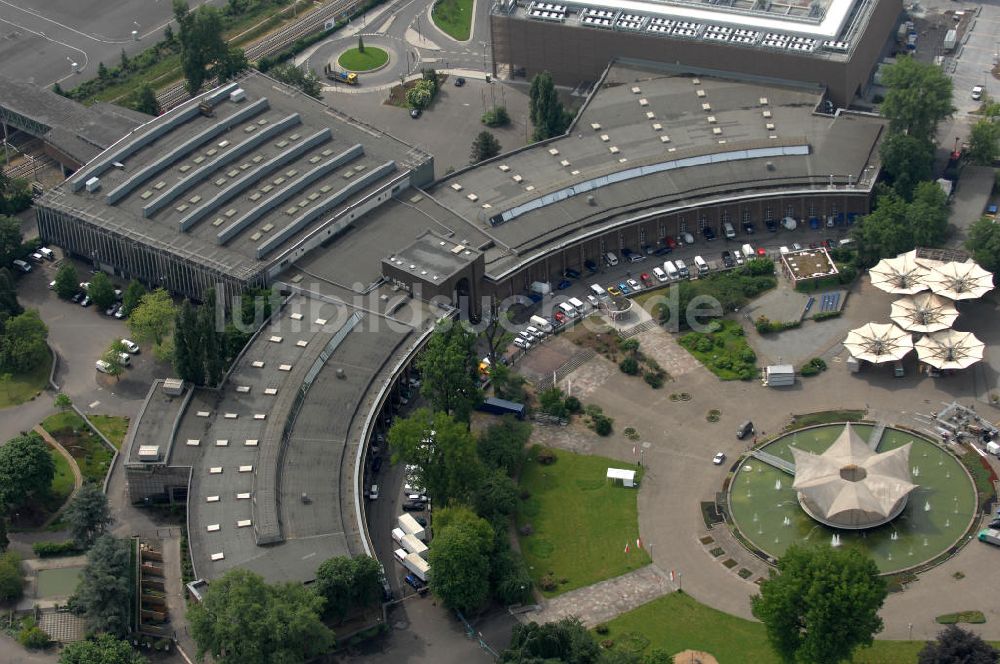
[(923, 312), (901, 275), (950, 349), (878, 342), (960, 281)]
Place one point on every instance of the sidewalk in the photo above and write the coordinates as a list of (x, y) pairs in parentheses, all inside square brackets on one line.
[(77, 477)]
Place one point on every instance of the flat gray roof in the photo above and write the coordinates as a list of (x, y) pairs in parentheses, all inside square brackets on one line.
[(433, 258), (82, 132), (235, 188), (652, 142), (154, 423)]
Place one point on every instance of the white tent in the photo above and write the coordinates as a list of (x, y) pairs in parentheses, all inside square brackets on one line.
[(901, 274), (878, 342), (959, 281), (626, 476)]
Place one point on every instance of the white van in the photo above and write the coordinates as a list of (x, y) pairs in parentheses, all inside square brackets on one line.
[(611, 259), (682, 269), (729, 230), (748, 251), (671, 270), (47, 253), (783, 250), (598, 292), (541, 323), (688, 238), (660, 274), (568, 309), (580, 306), (700, 263)]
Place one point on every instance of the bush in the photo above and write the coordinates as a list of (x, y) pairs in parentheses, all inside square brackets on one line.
[(813, 367), (848, 273), (33, 637), (763, 325), (51, 549), (573, 405), (548, 583), (630, 366), (654, 379), (420, 95), (551, 401), (546, 456), (758, 267), (824, 315), (496, 117), (11, 577), (602, 425)]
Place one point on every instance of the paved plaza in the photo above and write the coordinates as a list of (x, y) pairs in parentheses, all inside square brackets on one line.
[(677, 444)]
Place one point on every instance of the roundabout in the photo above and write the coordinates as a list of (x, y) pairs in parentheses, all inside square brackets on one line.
[(905, 511), (359, 61)]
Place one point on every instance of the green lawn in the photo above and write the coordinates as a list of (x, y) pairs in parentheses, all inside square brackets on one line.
[(22, 387), (90, 452), (825, 417), (113, 428), (676, 622), (355, 60), (725, 352), (454, 17), (581, 521)]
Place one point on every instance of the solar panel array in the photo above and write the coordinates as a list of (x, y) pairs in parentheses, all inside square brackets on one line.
[(612, 19)]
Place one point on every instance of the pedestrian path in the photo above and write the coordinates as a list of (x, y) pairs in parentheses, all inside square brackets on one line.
[(773, 460), (77, 476), (606, 600)]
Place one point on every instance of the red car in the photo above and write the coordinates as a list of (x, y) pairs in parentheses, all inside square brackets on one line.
[(560, 316), (671, 242), (761, 251), (646, 280)]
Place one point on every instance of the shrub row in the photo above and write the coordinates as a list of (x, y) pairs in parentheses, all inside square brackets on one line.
[(53, 549)]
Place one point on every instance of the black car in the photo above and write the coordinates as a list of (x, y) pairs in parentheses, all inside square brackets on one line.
[(459, 82), (414, 506), (626, 253), (727, 259), (708, 233), (377, 464), (772, 225), (648, 249), (76, 298), (663, 250), (748, 227), (590, 265), (570, 273), (414, 113)]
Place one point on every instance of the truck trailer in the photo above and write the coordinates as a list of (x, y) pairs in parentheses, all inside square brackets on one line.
[(418, 566), (411, 526), (413, 545)]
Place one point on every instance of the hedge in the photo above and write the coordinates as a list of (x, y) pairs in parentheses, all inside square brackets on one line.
[(52, 549)]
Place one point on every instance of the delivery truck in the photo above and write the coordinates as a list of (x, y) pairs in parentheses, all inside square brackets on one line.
[(418, 566), (411, 526), (990, 536), (413, 545)]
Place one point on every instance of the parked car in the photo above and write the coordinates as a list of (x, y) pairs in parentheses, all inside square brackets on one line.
[(772, 225), (414, 506), (708, 233), (614, 290), (738, 255), (373, 494), (660, 275), (564, 284), (110, 311), (102, 366), (85, 302), (521, 343), (663, 250), (634, 285), (748, 227), (977, 92), (727, 259), (414, 113), (459, 82), (687, 238), (560, 316), (376, 464), (76, 298), (647, 281), (52, 285), (121, 313), (670, 242), (570, 273), (623, 287), (590, 265), (719, 458), (796, 246), (594, 302), (410, 578), (84, 286)]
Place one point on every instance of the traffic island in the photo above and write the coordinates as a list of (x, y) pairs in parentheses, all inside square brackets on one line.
[(369, 60)]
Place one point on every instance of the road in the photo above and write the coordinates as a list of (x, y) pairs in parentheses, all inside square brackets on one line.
[(41, 39)]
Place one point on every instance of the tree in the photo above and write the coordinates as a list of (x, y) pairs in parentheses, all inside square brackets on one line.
[(984, 138), (102, 71), (10, 239), (246, 621), (67, 281), (144, 100), (507, 384), (420, 95), (299, 77), (114, 366), (984, 243), (133, 295), (100, 649), (496, 117), (88, 515), (11, 577), (502, 444), (106, 587), (4, 540), (189, 354), (101, 291), (495, 497), (9, 306), (884, 231), (496, 333), (361, 44), (443, 451), (153, 319), (547, 113), (907, 160), (918, 97), (484, 146), (202, 44), (347, 583), (211, 340), (63, 402), (822, 605), (565, 641), (26, 469), (23, 345), (509, 576), (955, 645), (450, 370), (125, 63), (460, 558), (928, 212)]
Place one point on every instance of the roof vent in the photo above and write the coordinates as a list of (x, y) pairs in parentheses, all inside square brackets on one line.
[(591, 200), (340, 373), (770, 165)]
